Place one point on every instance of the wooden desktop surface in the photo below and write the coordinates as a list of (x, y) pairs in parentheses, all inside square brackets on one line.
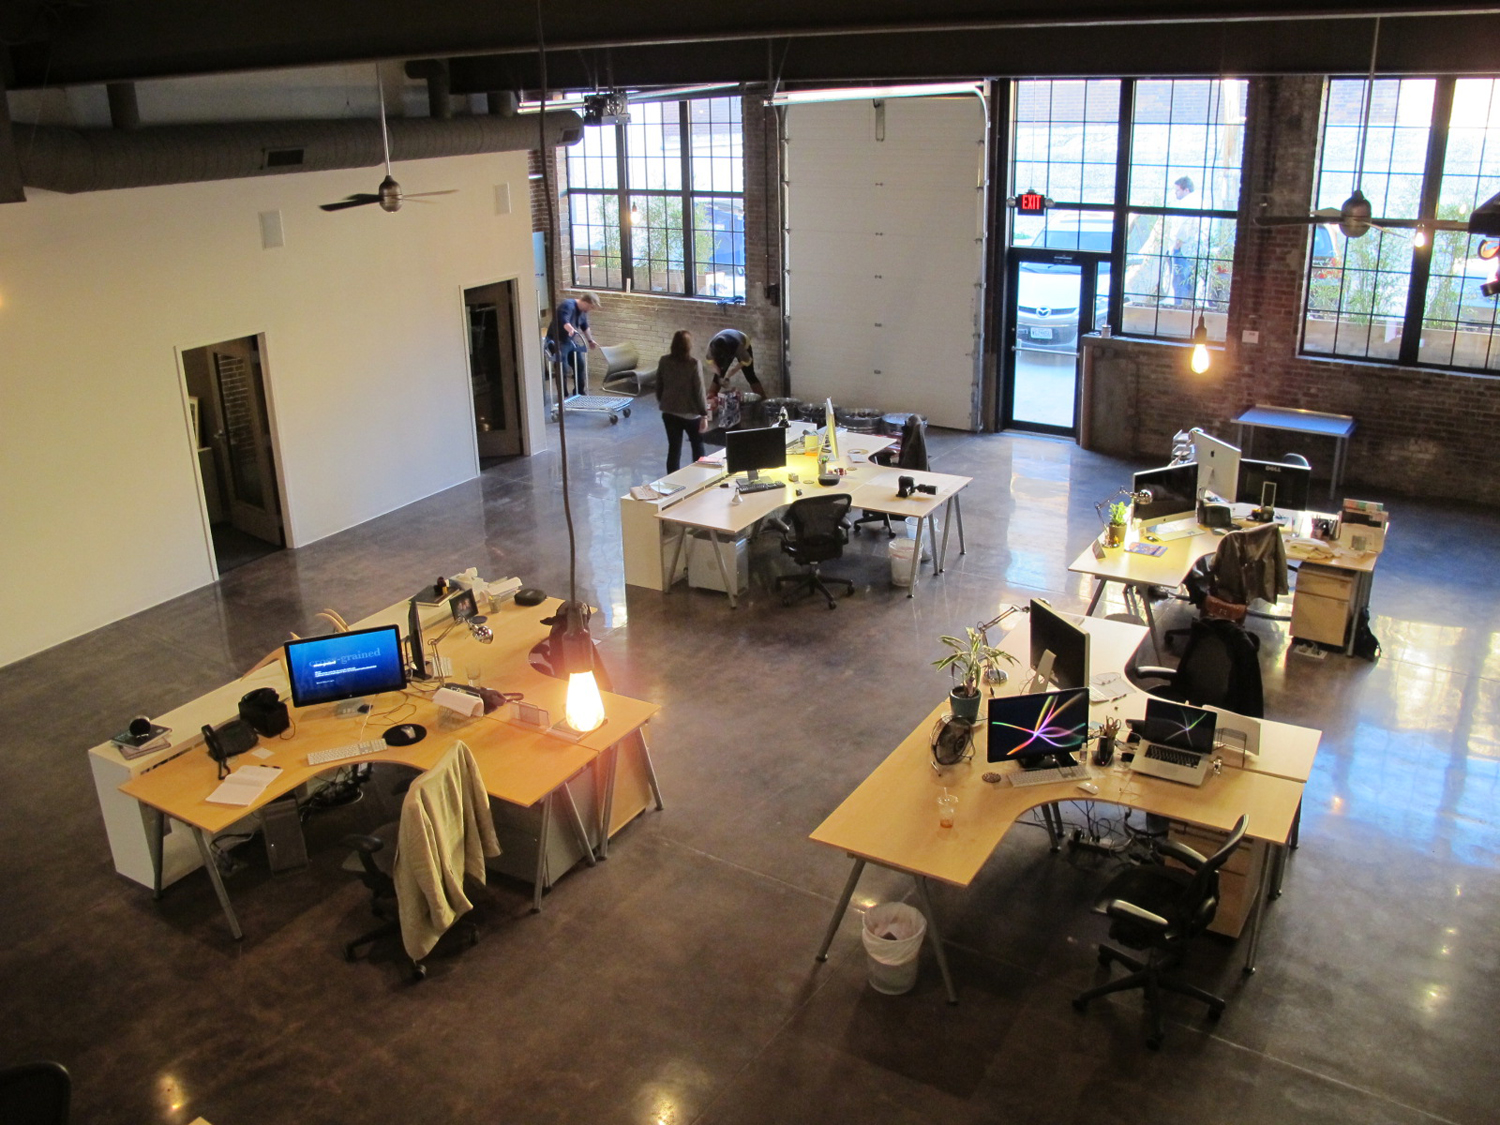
[(520, 766), (891, 818), (868, 485)]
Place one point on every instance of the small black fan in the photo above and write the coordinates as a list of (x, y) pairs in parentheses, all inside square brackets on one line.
[(390, 196), (952, 741)]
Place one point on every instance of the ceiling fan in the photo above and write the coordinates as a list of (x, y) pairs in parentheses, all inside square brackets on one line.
[(1355, 216), (390, 196)]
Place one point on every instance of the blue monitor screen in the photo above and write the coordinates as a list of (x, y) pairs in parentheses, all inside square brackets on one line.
[(1033, 726), (345, 666)]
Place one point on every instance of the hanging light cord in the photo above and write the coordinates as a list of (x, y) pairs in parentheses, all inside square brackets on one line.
[(546, 159), (1368, 98)]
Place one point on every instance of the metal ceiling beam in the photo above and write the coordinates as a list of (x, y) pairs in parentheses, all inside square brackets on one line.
[(95, 41), (1469, 44)]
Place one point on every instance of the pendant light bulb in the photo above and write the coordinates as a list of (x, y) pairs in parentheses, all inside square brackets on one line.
[(635, 215), (584, 709), (1419, 239), (1200, 360)]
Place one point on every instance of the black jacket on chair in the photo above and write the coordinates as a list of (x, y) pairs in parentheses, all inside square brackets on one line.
[(1220, 668)]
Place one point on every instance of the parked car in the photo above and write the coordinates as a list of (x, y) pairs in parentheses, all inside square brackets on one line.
[(1047, 293)]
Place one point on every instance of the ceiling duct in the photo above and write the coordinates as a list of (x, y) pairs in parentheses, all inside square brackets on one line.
[(79, 160)]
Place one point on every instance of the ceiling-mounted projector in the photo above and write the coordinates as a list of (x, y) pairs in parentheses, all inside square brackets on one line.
[(608, 108)]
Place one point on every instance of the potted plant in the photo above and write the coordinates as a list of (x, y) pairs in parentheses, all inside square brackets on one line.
[(1114, 531), (966, 661)]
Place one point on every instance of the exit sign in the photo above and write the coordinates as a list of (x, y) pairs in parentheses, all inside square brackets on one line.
[(1031, 203)]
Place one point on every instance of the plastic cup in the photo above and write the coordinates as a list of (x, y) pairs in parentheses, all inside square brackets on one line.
[(947, 809)]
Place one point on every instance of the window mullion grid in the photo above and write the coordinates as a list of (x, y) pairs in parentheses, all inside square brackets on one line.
[(1121, 206), (1432, 182), (689, 261)]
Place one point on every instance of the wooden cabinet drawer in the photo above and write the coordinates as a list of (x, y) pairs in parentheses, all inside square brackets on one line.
[(1239, 878), (1325, 582)]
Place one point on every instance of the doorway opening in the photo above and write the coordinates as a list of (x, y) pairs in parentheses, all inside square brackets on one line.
[(236, 460), (1055, 298), (495, 370)]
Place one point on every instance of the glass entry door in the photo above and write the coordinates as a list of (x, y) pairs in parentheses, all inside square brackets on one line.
[(1052, 302)]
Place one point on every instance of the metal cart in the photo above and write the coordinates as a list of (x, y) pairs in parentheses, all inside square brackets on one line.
[(615, 406)]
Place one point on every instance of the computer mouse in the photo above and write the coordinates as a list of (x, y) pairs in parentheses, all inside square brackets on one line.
[(406, 734), (530, 595), (1152, 539)]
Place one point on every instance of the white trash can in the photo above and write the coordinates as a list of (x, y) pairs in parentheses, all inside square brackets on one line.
[(901, 552), (893, 934)]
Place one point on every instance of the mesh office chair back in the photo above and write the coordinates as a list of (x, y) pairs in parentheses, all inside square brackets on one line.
[(817, 528), (1220, 668), (35, 1094)]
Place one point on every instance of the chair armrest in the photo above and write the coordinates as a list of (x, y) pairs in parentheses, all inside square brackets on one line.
[(1171, 849), (366, 847), (1154, 672), (1119, 908)]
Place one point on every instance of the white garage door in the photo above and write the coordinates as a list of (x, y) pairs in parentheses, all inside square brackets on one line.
[(884, 255)]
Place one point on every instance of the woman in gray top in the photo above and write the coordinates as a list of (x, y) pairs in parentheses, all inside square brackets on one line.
[(679, 391)]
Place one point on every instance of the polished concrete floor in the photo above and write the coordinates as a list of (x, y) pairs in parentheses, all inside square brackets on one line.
[(676, 983)]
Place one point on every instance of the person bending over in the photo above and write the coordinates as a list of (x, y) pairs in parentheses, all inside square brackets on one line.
[(570, 337), (727, 348)]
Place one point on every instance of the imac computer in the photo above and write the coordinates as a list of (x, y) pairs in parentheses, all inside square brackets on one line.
[(830, 430), (1174, 492), (1274, 485), (352, 665), (418, 662), (749, 451), (1059, 649), (1218, 465), (1039, 730)]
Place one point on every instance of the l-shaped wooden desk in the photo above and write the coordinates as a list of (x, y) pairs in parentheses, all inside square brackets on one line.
[(521, 767), (891, 819)]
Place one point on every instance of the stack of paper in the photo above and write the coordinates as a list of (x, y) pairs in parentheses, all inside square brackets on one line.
[(244, 785)]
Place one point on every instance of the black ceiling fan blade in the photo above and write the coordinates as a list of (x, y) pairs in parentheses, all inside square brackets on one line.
[(352, 201), (1288, 220), (419, 194)]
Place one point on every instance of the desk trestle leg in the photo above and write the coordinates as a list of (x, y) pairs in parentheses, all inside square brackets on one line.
[(838, 910), (212, 867), (1262, 892), (935, 937), (159, 822), (579, 832), (539, 882)]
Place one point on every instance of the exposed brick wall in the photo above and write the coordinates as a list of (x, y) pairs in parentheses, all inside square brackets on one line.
[(649, 320), (1420, 432)]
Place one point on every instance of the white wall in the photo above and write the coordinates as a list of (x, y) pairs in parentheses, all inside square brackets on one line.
[(366, 366), (884, 255)]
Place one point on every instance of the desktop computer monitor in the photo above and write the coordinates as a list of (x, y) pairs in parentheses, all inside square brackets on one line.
[(1218, 465), (749, 451), (1178, 725), (345, 666), (830, 430), (1059, 649), (1272, 484), (414, 640), (1174, 492), (1038, 730)]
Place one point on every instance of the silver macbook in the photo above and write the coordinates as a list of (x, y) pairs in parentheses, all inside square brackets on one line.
[(1177, 742)]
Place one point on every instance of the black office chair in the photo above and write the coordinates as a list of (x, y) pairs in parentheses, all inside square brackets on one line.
[(814, 532), (1160, 909), (1219, 668), (35, 1094), (911, 453)]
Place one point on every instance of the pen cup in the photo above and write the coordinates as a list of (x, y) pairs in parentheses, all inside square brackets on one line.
[(947, 809)]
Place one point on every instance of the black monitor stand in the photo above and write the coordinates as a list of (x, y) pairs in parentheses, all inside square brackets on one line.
[(1047, 761)]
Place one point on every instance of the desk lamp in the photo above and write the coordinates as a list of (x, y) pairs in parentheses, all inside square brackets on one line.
[(584, 709)]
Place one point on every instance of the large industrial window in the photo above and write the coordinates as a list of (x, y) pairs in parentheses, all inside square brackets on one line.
[(1176, 205), (658, 205), (1431, 150)]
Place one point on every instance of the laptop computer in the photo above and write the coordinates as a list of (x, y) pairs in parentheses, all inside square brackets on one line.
[(1177, 742)]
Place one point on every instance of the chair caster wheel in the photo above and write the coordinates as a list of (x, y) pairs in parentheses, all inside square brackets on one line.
[(626, 412), (1215, 1012), (833, 605), (1080, 1005), (348, 954), (418, 973), (613, 421)]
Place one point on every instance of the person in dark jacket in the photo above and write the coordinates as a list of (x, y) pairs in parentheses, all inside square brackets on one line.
[(679, 392), (727, 348)]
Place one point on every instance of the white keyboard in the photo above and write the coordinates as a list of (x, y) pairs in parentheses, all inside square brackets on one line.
[(1177, 529), (1022, 778), (353, 750)]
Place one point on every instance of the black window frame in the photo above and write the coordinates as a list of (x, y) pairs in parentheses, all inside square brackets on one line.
[(623, 194)]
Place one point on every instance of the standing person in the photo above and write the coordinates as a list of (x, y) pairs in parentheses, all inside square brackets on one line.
[(724, 350), (1183, 238), (571, 339), (679, 391)]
